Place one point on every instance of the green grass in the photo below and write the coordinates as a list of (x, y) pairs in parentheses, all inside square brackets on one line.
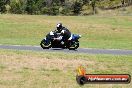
[(26, 69), (97, 31)]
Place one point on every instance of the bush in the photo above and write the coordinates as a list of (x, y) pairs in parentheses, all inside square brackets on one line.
[(77, 7), (57, 7), (50, 11), (3, 6), (45, 10), (17, 6), (65, 11)]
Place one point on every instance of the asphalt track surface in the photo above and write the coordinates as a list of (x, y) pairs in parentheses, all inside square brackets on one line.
[(79, 50)]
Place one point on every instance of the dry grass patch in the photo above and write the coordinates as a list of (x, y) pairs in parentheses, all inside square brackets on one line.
[(24, 69), (34, 62)]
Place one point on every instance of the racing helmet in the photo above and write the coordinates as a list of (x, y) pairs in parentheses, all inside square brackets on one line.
[(59, 26)]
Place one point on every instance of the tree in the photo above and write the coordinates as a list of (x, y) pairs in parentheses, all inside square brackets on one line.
[(62, 2), (49, 2), (77, 7), (18, 6), (66, 8), (85, 1), (3, 4), (123, 2), (93, 4), (31, 7), (129, 1)]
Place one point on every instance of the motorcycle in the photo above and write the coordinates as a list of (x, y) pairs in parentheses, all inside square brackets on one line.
[(49, 41)]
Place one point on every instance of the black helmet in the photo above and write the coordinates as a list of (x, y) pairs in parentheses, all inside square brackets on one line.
[(59, 26)]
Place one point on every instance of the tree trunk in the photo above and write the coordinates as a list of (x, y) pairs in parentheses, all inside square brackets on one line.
[(123, 3), (93, 3)]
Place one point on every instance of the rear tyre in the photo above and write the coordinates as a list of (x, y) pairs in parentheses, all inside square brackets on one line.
[(44, 45)]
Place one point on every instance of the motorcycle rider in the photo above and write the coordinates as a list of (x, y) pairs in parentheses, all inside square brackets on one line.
[(64, 33)]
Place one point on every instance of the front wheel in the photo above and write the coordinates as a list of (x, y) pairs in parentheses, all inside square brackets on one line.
[(44, 45), (74, 45)]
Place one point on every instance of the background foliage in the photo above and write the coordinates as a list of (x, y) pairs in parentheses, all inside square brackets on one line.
[(59, 7)]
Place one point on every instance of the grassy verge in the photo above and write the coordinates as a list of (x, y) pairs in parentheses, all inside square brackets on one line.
[(26, 69), (96, 31)]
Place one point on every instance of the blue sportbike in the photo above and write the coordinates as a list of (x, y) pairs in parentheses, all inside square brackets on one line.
[(49, 41)]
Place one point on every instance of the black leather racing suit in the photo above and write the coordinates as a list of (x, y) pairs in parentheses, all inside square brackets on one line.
[(66, 35)]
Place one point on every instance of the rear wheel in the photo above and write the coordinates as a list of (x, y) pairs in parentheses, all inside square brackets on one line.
[(44, 45)]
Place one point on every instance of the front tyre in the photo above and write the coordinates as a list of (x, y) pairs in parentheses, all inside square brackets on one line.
[(44, 45), (74, 45)]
